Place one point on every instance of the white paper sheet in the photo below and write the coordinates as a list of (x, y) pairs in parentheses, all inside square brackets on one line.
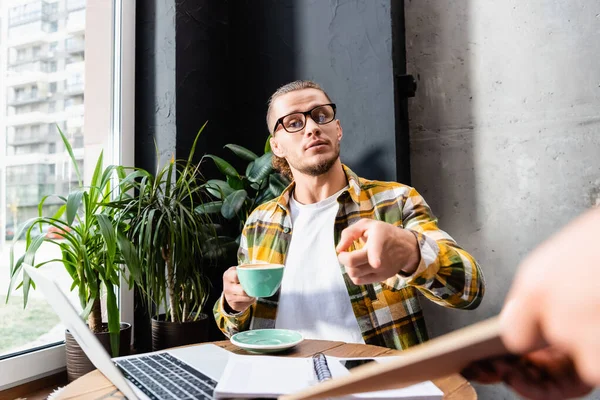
[(272, 376)]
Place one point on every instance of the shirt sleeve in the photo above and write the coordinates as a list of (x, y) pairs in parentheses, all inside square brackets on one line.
[(232, 323), (447, 274)]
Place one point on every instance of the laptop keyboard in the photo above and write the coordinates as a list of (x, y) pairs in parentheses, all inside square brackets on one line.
[(164, 377)]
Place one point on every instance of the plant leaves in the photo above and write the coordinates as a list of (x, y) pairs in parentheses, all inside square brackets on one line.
[(241, 152), (218, 188), (233, 203), (94, 184), (249, 168), (212, 207), (193, 149), (114, 325), (262, 168), (235, 183), (130, 257), (268, 144), (108, 233), (223, 166), (264, 197), (277, 184), (70, 151), (85, 313), (73, 203)]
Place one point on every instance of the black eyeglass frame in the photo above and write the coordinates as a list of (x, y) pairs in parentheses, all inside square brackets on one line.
[(306, 114)]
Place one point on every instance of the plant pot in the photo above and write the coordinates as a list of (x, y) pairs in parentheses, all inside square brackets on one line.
[(79, 364), (167, 334)]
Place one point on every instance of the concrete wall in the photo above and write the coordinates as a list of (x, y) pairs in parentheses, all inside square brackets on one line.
[(347, 48), (155, 124), (504, 129)]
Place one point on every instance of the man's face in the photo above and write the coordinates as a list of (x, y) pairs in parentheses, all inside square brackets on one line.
[(313, 150)]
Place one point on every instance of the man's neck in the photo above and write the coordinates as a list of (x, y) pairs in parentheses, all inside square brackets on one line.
[(312, 189)]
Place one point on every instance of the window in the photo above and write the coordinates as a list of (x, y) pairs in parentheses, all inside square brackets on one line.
[(50, 67), (32, 172), (21, 54)]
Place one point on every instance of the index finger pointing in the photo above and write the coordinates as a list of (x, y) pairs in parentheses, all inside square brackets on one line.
[(352, 233)]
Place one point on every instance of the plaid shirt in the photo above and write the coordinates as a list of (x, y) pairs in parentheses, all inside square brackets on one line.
[(388, 313)]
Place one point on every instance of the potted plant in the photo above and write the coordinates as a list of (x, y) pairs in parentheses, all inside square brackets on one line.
[(239, 194), (93, 250), (172, 243), (233, 198)]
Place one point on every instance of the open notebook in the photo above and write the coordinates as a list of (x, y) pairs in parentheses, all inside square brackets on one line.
[(442, 356), (272, 376)]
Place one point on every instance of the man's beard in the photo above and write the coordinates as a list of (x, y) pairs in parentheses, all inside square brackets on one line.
[(323, 166)]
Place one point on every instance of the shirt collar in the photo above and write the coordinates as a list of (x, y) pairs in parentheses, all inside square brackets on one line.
[(353, 182)]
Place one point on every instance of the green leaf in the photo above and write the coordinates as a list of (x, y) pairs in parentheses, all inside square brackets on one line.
[(70, 151), (268, 144), (193, 149), (114, 325), (218, 188), (235, 183), (26, 286), (130, 257), (277, 184), (233, 203), (94, 184), (249, 168), (218, 247), (108, 233), (262, 168), (223, 166), (264, 197), (73, 203), (212, 207), (85, 313), (242, 152)]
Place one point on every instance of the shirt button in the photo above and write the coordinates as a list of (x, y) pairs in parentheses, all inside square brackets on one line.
[(286, 230)]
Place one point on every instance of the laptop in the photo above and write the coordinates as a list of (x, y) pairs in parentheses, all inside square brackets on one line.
[(186, 373)]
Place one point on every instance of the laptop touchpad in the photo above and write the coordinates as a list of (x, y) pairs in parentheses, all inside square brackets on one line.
[(206, 358)]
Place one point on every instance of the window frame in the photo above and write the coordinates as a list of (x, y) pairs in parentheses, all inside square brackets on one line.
[(50, 359)]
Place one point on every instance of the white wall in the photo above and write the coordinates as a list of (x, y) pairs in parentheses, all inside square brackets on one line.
[(505, 140)]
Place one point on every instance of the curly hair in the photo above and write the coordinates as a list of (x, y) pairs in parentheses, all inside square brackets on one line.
[(280, 163)]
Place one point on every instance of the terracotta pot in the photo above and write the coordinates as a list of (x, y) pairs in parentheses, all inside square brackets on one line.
[(166, 334), (78, 363)]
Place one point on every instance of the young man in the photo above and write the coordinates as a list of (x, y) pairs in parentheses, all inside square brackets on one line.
[(355, 251)]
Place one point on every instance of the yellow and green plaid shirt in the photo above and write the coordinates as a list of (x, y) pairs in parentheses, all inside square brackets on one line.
[(388, 313)]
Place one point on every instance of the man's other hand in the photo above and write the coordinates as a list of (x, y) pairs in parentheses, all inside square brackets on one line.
[(545, 374), (555, 298)]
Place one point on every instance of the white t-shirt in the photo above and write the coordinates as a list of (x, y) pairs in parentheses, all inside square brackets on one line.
[(313, 298)]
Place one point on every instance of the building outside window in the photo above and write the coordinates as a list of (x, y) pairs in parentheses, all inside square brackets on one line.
[(40, 90)]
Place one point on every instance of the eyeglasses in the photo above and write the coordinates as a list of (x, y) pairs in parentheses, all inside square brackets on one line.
[(295, 122)]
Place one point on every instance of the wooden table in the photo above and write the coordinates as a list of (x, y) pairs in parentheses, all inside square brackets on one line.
[(94, 385)]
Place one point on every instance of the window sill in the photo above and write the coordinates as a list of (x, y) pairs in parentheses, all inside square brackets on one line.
[(38, 389)]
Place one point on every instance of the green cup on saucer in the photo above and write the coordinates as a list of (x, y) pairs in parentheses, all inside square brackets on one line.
[(260, 280)]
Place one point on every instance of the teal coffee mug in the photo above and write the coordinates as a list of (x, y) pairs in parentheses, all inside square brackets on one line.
[(260, 280)]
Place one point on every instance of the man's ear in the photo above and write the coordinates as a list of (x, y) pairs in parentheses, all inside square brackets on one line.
[(278, 151), (340, 131)]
